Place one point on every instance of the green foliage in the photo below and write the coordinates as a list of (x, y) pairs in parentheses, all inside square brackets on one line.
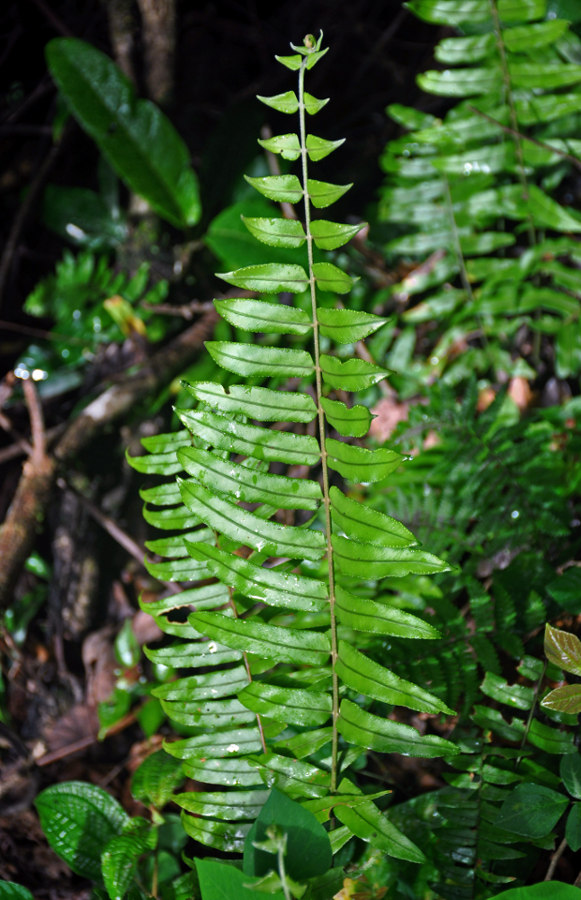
[(478, 190), (91, 305), (300, 700), (135, 137)]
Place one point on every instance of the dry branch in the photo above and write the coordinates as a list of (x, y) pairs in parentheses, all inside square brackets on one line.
[(39, 472)]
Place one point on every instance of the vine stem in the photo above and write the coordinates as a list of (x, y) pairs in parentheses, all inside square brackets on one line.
[(322, 429)]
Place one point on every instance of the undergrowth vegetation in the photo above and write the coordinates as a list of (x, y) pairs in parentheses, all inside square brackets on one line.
[(351, 683)]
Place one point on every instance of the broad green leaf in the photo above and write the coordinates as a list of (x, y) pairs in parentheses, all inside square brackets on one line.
[(570, 771), (167, 519), (318, 148), (251, 359), (277, 232), (258, 315), (229, 805), (346, 326), (306, 743), (269, 641), (379, 618), (244, 484), (174, 547), (409, 117), (573, 827), (247, 528), (544, 76), (536, 109), (291, 705), (323, 194), (370, 679), (296, 778), (349, 421), (226, 836), (456, 12), (255, 402), (563, 649), (223, 881), (79, 820), (155, 780), (192, 654), (11, 891), (208, 715), (134, 136), (288, 145), (373, 561), (282, 188), (120, 858), (270, 278), (532, 810), (518, 696), (351, 375), (545, 890), (251, 440), (225, 772), (525, 38), (313, 105), (367, 524), (358, 464), (278, 589), (285, 103), (375, 733), (368, 823), (331, 278), (455, 50), (208, 596), (565, 699), (308, 850), (209, 685), (176, 570), (461, 82), (331, 235), (232, 743)]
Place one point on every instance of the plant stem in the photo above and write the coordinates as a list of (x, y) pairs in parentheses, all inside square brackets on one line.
[(555, 859), (322, 431)]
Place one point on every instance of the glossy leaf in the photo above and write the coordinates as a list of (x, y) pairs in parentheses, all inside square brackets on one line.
[(120, 858), (270, 641), (254, 402), (156, 779), (293, 776), (563, 649), (291, 705), (323, 194), (72, 811), (570, 771), (565, 699), (369, 824), (379, 618), (349, 421), (573, 827), (269, 278), (258, 315), (282, 188), (375, 733), (331, 278), (532, 810), (351, 375), (11, 891), (275, 588), (318, 148), (368, 678), (244, 484), (287, 145), (276, 232), (220, 880), (331, 235), (367, 524), (247, 528), (346, 326), (361, 465), (286, 102), (251, 360), (134, 135)]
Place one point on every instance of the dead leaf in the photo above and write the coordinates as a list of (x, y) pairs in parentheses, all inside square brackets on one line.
[(388, 413)]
